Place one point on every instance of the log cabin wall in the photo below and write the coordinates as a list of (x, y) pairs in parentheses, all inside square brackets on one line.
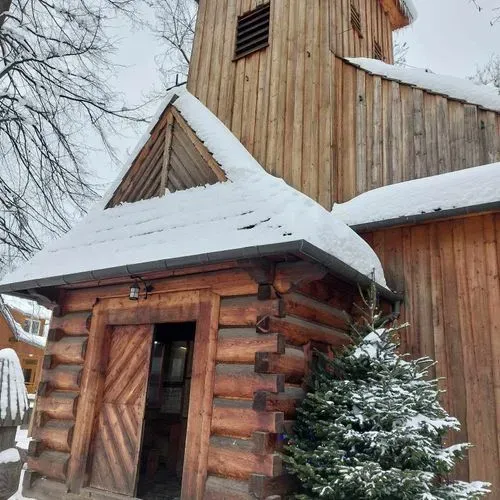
[(449, 272), (330, 129), (269, 320)]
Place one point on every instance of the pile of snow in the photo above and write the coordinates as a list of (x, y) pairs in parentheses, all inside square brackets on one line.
[(251, 209), (9, 456), (462, 189), (451, 86), (13, 398)]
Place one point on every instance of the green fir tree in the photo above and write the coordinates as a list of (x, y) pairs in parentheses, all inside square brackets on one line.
[(372, 427)]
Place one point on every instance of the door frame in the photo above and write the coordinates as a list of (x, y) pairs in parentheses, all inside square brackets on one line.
[(200, 306)]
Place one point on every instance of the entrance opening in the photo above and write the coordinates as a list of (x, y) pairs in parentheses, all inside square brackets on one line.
[(165, 420)]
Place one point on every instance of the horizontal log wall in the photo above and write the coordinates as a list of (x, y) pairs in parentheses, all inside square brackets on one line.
[(270, 318), (58, 396), (329, 129), (264, 343), (450, 274)]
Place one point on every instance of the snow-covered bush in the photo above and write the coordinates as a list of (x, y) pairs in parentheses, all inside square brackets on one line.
[(372, 426)]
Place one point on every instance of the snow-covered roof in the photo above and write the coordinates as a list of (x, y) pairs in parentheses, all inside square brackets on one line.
[(251, 210), (451, 86), (17, 330), (470, 190), (28, 307), (13, 398)]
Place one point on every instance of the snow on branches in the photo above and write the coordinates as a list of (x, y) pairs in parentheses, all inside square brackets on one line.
[(53, 92), (372, 427)]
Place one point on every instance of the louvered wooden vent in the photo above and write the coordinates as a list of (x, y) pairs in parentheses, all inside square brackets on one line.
[(377, 51), (253, 31), (356, 20)]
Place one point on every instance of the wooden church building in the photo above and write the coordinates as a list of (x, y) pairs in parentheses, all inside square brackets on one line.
[(188, 302)]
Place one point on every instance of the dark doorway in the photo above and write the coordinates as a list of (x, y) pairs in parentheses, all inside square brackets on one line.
[(167, 403)]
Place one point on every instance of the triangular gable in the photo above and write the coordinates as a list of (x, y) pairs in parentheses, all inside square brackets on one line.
[(173, 159)]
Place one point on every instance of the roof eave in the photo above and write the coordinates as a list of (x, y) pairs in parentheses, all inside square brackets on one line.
[(437, 215), (301, 248)]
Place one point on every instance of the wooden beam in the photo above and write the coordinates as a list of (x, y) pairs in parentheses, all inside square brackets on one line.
[(241, 381), (218, 488), (56, 434), (261, 486), (292, 364), (68, 350), (239, 345), (299, 305), (59, 405), (285, 402), (92, 382), (244, 311), (299, 332), (232, 458), (52, 464), (72, 324), (169, 129), (63, 377), (182, 306), (201, 397), (228, 282), (289, 275), (237, 418)]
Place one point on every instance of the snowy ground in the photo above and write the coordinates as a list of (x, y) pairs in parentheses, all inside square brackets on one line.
[(22, 441)]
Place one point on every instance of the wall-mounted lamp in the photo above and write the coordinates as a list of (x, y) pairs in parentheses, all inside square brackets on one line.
[(135, 288)]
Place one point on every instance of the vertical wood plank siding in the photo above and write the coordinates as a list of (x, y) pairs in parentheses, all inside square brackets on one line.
[(327, 127), (449, 272)]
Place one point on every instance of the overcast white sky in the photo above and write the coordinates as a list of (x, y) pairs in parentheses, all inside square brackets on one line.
[(449, 37)]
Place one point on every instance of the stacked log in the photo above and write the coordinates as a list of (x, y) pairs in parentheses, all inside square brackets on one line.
[(58, 395)]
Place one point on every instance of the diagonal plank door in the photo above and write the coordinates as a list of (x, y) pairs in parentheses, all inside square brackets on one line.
[(119, 427)]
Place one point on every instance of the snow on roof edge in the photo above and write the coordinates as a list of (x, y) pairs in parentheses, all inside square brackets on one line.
[(431, 197), (18, 331), (449, 86)]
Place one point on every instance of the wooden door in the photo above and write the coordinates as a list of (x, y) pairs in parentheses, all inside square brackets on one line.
[(120, 422)]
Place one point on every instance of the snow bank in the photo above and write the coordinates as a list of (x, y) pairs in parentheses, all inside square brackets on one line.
[(251, 209), (9, 456), (451, 86), (13, 398), (462, 189)]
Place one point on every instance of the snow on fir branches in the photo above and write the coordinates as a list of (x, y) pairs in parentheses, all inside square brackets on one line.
[(372, 427)]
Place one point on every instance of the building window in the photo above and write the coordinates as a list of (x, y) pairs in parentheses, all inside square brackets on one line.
[(356, 19), (252, 32), (377, 51), (32, 326)]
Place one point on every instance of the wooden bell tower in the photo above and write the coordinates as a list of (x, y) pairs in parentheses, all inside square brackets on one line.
[(269, 70)]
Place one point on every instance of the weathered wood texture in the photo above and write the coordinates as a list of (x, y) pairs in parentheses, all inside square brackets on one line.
[(172, 159), (328, 128), (246, 380), (58, 395), (449, 271), (262, 361), (118, 435)]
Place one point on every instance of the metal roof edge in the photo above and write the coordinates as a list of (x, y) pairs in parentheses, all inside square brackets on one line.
[(426, 217), (300, 247)]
